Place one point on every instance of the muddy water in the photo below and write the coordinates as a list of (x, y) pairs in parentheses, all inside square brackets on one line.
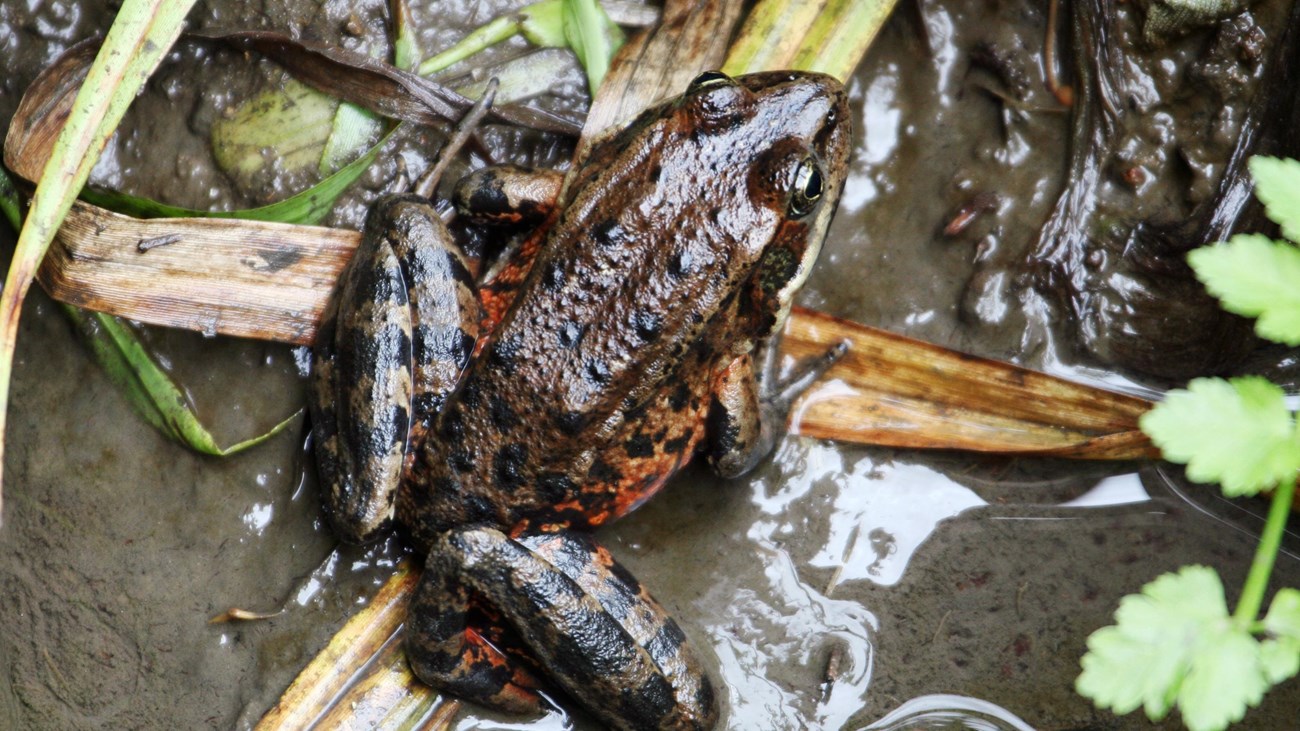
[(952, 591)]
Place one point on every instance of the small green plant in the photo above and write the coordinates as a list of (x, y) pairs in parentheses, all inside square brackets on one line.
[(1175, 644)]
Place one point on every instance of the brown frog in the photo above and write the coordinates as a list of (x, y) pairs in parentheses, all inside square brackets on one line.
[(500, 421)]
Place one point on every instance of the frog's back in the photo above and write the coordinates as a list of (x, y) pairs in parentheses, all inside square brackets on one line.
[(593, 387)]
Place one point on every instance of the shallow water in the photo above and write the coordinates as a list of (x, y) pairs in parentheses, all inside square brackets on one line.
[(955, 591)]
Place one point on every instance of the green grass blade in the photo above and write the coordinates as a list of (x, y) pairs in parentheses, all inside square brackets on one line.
[(129, 365), (148, 387), (307, 208), (837, 35), (141, 35), (593, 37)]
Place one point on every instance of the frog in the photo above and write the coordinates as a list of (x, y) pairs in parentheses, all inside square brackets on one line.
[(499, 419)]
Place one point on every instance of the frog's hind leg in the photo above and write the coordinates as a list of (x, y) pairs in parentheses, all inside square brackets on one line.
[(579, 613), (361, 394), (399, 331)]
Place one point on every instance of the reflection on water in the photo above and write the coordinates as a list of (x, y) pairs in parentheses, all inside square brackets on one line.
[(949, 712)]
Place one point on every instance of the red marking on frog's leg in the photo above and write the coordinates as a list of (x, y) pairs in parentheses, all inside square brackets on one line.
[(601, 638), (472, 663)]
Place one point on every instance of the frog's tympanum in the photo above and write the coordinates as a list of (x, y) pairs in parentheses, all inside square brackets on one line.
[(498, 422)]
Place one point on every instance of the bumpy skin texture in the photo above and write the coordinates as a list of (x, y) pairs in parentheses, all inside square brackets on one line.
[(615, 344)]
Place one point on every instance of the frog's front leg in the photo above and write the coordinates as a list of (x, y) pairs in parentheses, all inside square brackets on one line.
[(392, 343), (748, 410), (579, 614)]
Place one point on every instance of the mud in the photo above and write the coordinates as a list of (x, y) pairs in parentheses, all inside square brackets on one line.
[(948, 591)]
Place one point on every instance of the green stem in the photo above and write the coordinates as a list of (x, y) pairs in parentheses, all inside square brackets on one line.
[(1261, 567), (484, 37), (11, 205)]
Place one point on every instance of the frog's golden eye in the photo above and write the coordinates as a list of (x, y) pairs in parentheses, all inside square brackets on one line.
[(808, 184), (707, 79)]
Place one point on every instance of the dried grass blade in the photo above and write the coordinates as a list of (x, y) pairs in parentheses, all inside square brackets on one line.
[(378, 86), (244, 278), (330, 675), (140, 36), (896, 391)]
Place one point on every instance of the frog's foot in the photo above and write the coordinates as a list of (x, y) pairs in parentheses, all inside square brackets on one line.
[(806, 372), (746, 419), (581, 616)]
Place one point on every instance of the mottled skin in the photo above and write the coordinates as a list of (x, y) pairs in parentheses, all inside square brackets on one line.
[(611, 347)]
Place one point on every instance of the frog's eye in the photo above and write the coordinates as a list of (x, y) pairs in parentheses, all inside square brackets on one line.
[(707, 79), (808, 184)]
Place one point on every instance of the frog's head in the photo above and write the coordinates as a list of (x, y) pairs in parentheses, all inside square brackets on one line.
[(799, 176), (772, 148)]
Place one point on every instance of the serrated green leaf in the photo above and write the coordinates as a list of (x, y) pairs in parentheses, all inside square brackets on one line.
[(1255, 276), (1277, 184), (1283, 616), (1225, 678), (1237, 433), (1175, 640), (1280, 658)]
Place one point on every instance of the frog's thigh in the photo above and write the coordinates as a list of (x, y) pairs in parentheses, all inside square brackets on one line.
[(444, 305), (739, 432), (580, 614), (507, 194), (362, 393)]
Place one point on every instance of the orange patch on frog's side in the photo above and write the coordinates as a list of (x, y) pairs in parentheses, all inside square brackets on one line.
[(497, 295)]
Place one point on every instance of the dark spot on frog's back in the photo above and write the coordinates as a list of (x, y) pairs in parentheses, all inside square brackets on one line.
[(552, 277), (639, 446), (607, 233), (571, 422), (570, 334), (602, 471), (508, 466), (680, 397), (647, 324), (503, 414), (506, 352), (596, 370), (554, 487), (675, 446)]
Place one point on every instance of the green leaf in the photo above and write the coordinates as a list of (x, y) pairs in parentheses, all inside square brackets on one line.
[(1175, 642), (11, 204), (543, 24), (292, 121), (141, 34), (540, 23), (1277, 184), (1237, 433), (1255, 276), (148, 387), (1283, 618), (1281, 658), (1226, 677), (1281, 654), (307, 207), (593, 37)]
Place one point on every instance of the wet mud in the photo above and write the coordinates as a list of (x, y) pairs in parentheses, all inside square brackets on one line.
[(837, 587)]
